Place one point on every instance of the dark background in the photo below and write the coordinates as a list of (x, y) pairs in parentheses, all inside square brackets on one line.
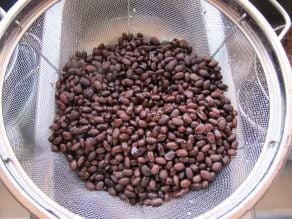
[(6, 4), (271, 14)]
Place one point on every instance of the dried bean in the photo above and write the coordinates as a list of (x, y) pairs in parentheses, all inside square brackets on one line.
[(144, 120)]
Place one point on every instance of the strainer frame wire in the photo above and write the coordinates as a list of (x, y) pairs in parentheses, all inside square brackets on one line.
[(29, 195), (11, 172), (283, 142)]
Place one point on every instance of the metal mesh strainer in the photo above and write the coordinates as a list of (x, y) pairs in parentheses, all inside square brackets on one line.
[(37, 44)]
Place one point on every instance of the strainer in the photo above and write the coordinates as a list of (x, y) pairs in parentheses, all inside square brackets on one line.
[(36, 38)]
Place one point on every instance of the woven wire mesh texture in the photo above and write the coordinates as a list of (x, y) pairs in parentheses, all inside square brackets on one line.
[(68, 26)]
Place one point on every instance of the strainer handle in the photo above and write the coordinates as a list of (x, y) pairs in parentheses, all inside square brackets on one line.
[(285, 27), (2, 13)]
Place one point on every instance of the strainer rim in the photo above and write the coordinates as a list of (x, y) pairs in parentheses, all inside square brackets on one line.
[(33, 206)]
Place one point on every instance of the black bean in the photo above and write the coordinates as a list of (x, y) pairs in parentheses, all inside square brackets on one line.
[(188, 60), (81, 161), (125, 117), (154, 41), (169, 155), (200, 129), (127, 172), (152, 184), (126, 61), (116, 133), (99, 186), (204, 73), (216, 167), (124, 181), (145, 181), (194, 77), (170, 66), (205, 175), (156, 202), (163, 174), (234, 145), (197, 178), (177, 121), (84, 81), (179, 166), (142, 124), (186, 183), (222, 124), (200, 156), (155, 169), (228, 107), (189, 173), (145, 170), (211, 138), (181, 153), (231, 137), (187, 119), (180, 193), (73, 165), (163, 120), (179, 76), (151, 140), (64, 98), (75, 71), (182, 43), (172, 145), (160, 160), (213, 63), (179, 68), (97, 85), (231, 152), (152, 195), (90, 68), (89, 185), (112, 191), (144, 120), (180, 56)]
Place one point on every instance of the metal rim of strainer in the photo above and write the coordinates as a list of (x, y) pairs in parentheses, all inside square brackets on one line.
[(15, 24)]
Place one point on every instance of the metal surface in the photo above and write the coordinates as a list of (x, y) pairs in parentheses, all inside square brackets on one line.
[(285, 27), (46, 32), (2, 13)]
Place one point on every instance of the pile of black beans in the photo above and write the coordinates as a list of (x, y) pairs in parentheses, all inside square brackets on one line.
[(144, 120)]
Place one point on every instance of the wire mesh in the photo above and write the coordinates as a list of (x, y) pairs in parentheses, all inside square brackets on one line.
[(69, 26)]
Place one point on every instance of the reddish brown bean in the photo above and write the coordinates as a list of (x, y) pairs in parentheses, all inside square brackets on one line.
[(144, 120), (179, 167), (186, 183)]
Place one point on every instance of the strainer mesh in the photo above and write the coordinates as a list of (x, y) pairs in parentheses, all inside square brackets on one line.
[(68, 26)]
